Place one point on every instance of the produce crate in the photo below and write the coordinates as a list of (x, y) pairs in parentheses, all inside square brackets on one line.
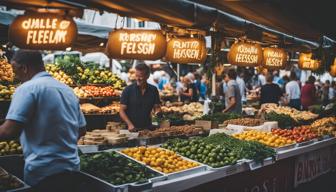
[(286, 147), (23, 186), (174, 175), (230, 169), (103, 186), (206, 124), (127, 187), (305, 143), (13, 164), (253, 165)]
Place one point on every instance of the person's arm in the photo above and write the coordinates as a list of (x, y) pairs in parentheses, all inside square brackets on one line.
[(124, 102), (189, 93), (125, 118), (10, 130), (81, 123), (232, 99), (157, 103), (20, 112), (232, 103)]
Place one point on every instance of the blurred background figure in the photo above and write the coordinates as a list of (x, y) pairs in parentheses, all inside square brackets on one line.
[(308, 93)]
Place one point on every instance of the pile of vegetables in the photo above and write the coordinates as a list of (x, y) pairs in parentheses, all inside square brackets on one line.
[(115, 168), (219, 150), (219, 117), (284, 121)]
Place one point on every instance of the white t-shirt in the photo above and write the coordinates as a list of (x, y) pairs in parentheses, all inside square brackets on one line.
[(331, 93), (262, 79), (241, 85), (293, 90)]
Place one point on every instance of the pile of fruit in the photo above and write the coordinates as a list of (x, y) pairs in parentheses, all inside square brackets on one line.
[(298, 134), (115, 168), (10, 148), (187, 130), (159, 159), (219, 150), (6, 92), (6, 71), (210, 154), (266, 138), (58, 74), (101, 137), (325, 126), (244, 122), (182, 108), (100, 76), (89, 108), (8, 181), (94, 91), (293, 113)]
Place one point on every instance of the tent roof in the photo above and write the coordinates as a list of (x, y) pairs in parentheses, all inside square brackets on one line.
[(273, 19)]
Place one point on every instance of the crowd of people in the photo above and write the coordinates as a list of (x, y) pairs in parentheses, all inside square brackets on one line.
[(234, 85)]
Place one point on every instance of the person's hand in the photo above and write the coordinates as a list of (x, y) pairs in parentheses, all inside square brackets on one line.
[(131, 128)]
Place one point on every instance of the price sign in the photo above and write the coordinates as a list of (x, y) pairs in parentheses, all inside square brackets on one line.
[(136, 44), (274, 58), (43, 31), (245, 54), (186, 50)]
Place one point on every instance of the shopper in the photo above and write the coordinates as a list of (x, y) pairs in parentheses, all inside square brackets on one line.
[(332, 91), (270, 92), (308, 93), (232, 95), (325, 92), (293, 92), (242, 87), (187, 92), (139, 100), (47, 115), (262, 77)]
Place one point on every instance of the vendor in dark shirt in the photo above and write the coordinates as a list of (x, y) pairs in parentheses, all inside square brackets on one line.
[(270, 92), (138, 101)]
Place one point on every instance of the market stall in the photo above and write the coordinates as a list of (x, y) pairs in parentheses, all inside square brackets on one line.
[(275, 148)]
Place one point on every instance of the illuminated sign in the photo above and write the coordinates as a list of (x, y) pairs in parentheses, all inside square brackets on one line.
[(245, 54), (42, 31), (306, 63), (136, 44), (274, 58), (186, 50)]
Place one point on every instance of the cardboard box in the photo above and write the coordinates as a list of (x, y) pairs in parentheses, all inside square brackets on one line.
[(207, 125), (165, 124)]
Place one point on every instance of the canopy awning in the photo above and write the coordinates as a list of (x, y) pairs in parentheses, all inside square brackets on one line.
[(233, 18)]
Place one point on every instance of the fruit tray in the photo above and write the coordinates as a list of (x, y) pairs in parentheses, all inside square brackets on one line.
[(135, 186), (229, 169), (286, 147), (305, 143), (23, 184), (178, 174), (152, 180), (253, 165), (108, 187)]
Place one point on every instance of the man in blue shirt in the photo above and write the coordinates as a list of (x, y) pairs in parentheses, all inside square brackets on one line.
[(46, 115)]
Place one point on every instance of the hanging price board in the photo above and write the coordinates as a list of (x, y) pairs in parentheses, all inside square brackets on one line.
[(136, 44), (245, 54), (274, 58), (307, 63), (186, 50), (43, 31)]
